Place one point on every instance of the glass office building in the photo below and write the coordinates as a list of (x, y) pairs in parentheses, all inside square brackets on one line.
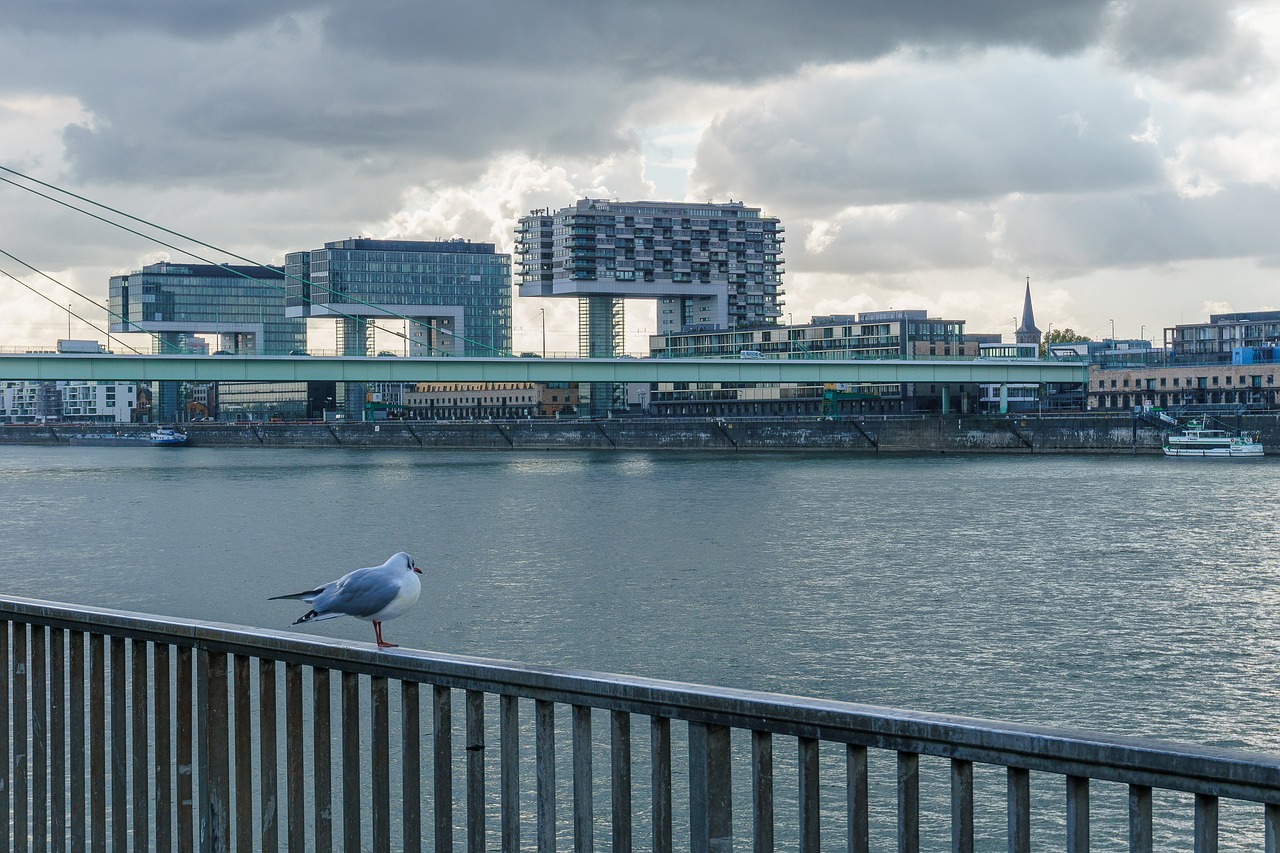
[(237, 309), (241, 307), (450, 298), (456, 294)]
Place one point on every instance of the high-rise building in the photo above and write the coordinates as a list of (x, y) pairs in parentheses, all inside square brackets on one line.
[(456, 293), (241, 307), (707, 266), (451, 297)]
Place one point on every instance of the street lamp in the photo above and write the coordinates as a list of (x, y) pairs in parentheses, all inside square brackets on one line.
[(543, 312)]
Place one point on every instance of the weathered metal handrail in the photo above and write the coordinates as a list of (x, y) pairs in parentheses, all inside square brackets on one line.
[(168, 731)]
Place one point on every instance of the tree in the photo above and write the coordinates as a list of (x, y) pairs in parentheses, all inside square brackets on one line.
[(1061, 336)]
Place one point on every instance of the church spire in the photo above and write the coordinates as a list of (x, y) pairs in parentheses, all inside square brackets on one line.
[(1027, 333)]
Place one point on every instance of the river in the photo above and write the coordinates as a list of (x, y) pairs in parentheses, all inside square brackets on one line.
[(1133, 595)]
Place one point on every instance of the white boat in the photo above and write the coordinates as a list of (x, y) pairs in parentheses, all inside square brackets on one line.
[(165, 437), (1198, 440)]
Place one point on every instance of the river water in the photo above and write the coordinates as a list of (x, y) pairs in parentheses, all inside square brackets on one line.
[(1133, 595)]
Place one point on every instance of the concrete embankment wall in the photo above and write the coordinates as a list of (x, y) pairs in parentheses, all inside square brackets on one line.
[(1086, 433)]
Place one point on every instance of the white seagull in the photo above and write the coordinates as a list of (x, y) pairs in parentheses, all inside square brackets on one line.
[(374, 594)]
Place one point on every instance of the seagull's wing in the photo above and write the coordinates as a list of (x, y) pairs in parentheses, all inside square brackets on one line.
[(361, 593)]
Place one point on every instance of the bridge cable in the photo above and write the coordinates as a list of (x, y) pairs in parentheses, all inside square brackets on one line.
[(88, 323), (411, 320), (177, 248)]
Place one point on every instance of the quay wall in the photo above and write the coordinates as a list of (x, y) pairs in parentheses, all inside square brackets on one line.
[(1077, 433)]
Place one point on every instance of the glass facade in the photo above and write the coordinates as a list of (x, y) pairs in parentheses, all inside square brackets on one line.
[(243, 306), (240, 308), (456, 293)]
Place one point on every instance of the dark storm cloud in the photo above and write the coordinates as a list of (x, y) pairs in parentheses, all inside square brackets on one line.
[(247, 89), (1198, 44), (930, 133), (199, 21), (714, 40)]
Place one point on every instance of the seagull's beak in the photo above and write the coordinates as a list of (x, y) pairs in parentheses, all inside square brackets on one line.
[(418, 570)]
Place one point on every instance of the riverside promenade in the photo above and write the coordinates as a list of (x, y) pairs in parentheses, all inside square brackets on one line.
[(129, 732), (1101, 432)]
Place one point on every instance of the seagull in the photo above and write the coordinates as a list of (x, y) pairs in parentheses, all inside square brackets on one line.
[(375, 594)]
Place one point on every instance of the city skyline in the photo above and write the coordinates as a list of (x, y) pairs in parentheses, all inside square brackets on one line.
[(1120, 154)]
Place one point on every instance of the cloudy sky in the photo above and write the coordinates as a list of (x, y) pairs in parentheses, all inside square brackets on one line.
[(1122, 154)]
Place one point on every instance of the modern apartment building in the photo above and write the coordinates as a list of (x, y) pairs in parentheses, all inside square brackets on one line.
[(1214, 341), (706, 266), (872, 334), (27, 402)]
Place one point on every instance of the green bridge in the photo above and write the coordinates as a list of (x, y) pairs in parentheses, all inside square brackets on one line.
[(201, 368)]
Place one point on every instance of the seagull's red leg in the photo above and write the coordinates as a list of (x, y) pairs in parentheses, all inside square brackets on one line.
[(377, 632)]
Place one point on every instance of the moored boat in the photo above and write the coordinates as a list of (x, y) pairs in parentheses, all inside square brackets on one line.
[(108, 439), (166, 437), (1196, 439)]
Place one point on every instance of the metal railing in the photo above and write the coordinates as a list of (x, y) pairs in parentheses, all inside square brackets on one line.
[(133, 732)]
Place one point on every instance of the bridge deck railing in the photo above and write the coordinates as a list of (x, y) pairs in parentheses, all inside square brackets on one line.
[(135, 732)]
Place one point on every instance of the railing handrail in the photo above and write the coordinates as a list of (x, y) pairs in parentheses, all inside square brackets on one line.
[(1213, 771)]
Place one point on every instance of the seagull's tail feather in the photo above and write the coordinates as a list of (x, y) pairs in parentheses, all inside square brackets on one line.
[(315, 615), (299, 596)]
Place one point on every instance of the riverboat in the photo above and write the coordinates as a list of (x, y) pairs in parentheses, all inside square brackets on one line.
[(166, 437), (108, 439), (1198, 440)]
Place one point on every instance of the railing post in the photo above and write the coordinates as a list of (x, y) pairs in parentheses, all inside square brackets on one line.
[(57, 740), (410, 769), (544, 735), (442, 766), (19, 736), (908, 802), (162, 763), (139, 728), (322, 759), (660, 782), (350, 690), (762, 792), (509, 735), (5, 778), (1077, 814), (583, 816), (1206, 824), (857, 803), (1140, 834), (293, 759), (810, 801), (39, 739), (1019, 805), (475, 747), (620, 767), (710, 789), (380, 764), (119, 742), (961, 806), (215, 767)]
